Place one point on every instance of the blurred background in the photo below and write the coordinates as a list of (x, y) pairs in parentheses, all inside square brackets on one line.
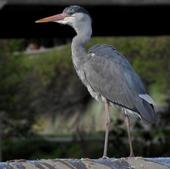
[(46, 112)]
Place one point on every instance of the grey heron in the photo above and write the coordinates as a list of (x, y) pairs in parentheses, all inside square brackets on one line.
[(105, 72)]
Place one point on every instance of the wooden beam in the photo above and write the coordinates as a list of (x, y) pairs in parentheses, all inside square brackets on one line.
[(109, 163)]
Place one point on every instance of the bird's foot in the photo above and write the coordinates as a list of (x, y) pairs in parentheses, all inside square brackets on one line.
[(104, 157)]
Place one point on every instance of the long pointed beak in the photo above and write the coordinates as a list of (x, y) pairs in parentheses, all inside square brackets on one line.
[(53, 18)]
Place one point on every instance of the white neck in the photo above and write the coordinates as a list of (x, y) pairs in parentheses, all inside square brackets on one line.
[(84, 31)]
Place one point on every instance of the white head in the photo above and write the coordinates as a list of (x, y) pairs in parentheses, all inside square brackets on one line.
[(75, 16)]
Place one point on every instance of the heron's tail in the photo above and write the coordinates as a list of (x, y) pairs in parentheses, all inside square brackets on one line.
[(147, 111)]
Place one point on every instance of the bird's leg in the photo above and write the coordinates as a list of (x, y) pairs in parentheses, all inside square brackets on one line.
[(127, 122), (107, 125)]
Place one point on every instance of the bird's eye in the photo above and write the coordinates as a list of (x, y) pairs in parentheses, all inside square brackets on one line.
[(72, 12)]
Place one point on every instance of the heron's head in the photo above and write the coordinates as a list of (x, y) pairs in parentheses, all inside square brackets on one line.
[(73, 15)]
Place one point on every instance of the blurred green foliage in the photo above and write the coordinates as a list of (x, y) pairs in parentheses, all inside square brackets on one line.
[(10, 46), (40, 148), (45, 83)]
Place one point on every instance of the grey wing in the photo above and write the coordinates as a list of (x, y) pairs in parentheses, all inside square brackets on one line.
[(111, 75)]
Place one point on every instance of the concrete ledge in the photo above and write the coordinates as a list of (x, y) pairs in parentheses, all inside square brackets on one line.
[(108, 163)]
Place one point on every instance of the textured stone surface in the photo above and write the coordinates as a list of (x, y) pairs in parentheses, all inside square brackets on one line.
[(109, 163)]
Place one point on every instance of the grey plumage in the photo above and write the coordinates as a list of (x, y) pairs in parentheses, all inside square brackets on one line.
[(107, 73), (110, 74)]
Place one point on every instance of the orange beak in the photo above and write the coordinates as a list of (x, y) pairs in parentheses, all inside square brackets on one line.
[(53, 18)]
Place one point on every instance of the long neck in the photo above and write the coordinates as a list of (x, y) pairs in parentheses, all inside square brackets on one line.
[(84, 32)]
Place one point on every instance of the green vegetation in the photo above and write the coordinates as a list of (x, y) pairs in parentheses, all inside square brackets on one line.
[(41, 93)]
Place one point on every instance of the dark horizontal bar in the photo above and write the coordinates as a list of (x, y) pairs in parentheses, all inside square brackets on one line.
[(18, 21), (89, 2)]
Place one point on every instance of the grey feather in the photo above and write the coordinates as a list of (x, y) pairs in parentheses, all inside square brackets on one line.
[(109, 74)]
